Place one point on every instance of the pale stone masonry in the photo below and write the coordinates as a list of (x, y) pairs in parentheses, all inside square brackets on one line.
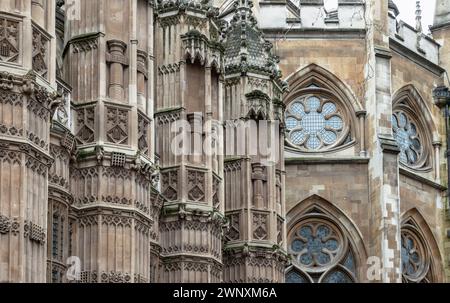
[(92, 96)]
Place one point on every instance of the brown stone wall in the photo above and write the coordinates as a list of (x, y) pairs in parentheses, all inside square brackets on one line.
[(344, 58), (405, 72), (343, 184)]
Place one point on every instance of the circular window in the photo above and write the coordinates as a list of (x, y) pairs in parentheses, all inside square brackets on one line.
[(414, 256), (313, 123), (408, 139), (320, 253)]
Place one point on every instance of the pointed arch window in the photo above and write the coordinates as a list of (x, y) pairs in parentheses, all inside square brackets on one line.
[(408, 138), (320, 113), (415, 255), (316, 121), (321, 253), (412, 129)]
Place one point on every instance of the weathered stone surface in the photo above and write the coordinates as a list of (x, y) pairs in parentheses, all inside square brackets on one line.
[(89, 180)]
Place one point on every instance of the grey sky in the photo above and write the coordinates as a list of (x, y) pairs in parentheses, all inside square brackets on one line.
[(408, 12)]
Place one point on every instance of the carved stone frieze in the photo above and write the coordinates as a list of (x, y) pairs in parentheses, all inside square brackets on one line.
[(260, 226), (40, 52), (196, 186), (9, 225), (170, 185), (35, 232), (117, 125), (85, 125)]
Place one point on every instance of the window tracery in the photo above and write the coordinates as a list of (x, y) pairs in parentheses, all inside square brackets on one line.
[(413, 129), (408, 138), (316, 122), (321, 253), (415, 256)]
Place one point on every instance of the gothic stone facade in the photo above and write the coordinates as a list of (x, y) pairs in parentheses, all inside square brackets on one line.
[(90, 92)]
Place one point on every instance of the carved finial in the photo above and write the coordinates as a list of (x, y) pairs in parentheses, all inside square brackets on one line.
[(418, 17)]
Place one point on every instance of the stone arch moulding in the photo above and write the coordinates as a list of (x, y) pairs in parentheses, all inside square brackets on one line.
[(408, 100), (321, 209), (414, 220), (315, 74), (314, 80)]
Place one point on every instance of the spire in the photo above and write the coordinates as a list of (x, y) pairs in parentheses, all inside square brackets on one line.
[(442, 13), (246, 50), (418, 17)]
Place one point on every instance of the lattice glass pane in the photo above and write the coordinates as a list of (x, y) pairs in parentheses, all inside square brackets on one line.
[(329, 137), (313, 143), (291, 123), (298, 137), (298, 246), (313, 104), (329, 108), (313, 124), (298, 109), (335, 123)]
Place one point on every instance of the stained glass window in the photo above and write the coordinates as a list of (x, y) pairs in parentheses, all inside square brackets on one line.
[(320, 253), (407, 137), (313, 123), (414, 256)]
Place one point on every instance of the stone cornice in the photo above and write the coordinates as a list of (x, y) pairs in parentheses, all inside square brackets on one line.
[(407, 173), (315, 33)]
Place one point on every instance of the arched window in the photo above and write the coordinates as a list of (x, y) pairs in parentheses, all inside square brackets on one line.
[(416, 257), (320, 112), (314, 122), (408, 138), (321, 252), (412, 129)]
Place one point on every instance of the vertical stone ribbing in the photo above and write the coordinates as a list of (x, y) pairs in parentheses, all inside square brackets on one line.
[(27, 103), (115, 200), (189, 65), (255, 249)]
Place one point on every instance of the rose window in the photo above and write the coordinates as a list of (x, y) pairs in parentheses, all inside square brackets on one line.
[(315, 245), (407, 137), (313, 123), (320, 253), (414, 256)]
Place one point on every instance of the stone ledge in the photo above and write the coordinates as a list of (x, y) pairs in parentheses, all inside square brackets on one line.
[(323, 160), (421, 179)]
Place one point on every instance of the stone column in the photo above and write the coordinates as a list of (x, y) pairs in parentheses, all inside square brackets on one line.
[(191, 222), (385, 242), (115, 201), (116, 58)]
